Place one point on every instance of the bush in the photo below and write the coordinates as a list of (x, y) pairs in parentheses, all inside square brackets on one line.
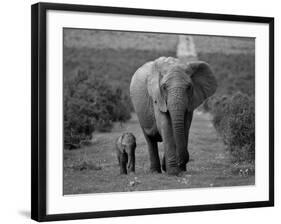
[(91, 104), (234, 120), (232, 106)]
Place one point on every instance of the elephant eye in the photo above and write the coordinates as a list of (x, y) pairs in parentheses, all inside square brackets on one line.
[(163, 86), (189, 87)]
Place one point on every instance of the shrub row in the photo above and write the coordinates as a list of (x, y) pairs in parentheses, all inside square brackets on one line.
[(234, 120), (91, 104), (233, 106)]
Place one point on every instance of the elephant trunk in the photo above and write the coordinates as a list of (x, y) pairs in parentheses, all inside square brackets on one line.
[(178, 110)]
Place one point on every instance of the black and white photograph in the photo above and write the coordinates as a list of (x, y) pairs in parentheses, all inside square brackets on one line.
[(141, 111), (147, 111), (135, 111)]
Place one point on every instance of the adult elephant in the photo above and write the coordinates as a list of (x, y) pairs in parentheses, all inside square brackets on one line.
[(165, 93)]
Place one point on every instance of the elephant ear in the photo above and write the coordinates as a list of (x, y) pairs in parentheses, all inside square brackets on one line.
[(155, 89), (204, 82)]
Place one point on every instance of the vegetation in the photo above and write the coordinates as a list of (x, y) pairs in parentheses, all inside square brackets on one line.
[(91, 104), (116, 66), (234, 120), (233, 106)]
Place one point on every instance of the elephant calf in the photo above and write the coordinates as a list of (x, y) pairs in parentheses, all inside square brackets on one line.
[(125, 150)]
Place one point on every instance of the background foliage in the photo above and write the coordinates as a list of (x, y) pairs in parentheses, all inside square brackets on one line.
[(233, 105), (91, 104), (234, 120)]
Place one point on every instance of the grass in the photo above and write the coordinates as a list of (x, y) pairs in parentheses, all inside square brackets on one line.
[(210, 164)]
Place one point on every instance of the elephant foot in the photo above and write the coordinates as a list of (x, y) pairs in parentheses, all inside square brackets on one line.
[(182, 167), (164, 167), (155, 170), (173, 171), (123, 170), (131, 169)]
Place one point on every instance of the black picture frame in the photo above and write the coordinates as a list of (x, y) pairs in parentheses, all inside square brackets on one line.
[(39, 107)]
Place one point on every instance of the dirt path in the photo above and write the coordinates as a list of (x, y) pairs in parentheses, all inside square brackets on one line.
[(210, 164)]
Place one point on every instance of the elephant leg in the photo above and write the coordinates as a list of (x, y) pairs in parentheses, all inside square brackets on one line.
[(171, 165), (118, 157), (153, 155), (163, 163), (123, 160), (131, 163), (123, 170)]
